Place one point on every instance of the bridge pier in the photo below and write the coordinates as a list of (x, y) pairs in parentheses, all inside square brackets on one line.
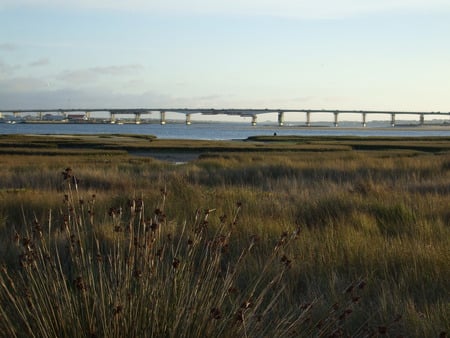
[(364, 123), (162, 119), (112, 117), (336, 123), (280, 118), (137, 118), (422, 119), (254, 117), (188, 119), (392, 120), (88, 115), (308, 119)]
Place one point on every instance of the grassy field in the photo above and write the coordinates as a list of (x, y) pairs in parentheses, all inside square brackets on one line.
[(273, 236)]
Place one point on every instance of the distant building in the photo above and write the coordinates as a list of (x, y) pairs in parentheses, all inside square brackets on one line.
[(51, 117), (76, 117)]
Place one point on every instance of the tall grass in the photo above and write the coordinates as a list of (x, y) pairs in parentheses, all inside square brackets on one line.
[(381, 217), (146, 277)]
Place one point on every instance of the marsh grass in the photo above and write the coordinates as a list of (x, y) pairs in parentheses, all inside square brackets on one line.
[(145, 278), (380, 216)]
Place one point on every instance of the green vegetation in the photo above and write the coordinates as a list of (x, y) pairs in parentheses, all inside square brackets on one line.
[(274, 236)]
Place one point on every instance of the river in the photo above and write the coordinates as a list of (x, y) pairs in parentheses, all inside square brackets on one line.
[(219, 131)]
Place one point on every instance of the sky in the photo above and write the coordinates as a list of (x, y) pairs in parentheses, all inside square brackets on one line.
[(292, 54)]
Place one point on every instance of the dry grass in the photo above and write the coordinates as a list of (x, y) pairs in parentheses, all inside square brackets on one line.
[(380, 216)]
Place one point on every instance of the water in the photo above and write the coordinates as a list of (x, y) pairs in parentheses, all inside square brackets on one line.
[(216, 131)]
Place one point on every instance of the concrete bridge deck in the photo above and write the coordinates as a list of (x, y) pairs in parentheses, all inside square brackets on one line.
[(253, 113)]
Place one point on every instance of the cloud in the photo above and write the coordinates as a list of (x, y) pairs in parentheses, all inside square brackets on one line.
[(8, 47), (6, 69), (290, 8), (79, 98), (39, 63), (94, 73), (21, 84), (35, 93), (117, 70)]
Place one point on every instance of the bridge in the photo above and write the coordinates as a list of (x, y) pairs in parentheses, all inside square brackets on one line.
[(252, 113)]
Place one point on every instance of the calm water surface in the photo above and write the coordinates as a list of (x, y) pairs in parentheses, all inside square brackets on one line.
[(215, 131)]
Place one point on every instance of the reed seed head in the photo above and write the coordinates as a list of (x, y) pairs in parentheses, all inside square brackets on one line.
[(79, 283), (67, 173), (286, 261), (215, 313), (175, 263), (117, 310)]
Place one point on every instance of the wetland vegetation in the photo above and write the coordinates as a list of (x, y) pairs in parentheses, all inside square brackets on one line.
[(272, 236)]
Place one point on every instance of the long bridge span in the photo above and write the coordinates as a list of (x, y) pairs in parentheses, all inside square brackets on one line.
[(252, 113)]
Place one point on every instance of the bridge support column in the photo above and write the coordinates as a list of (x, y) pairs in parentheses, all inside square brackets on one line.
[(1, 115), (308, 119), (188, 119), (137, 118), (15, 114), (422, 119), (162, 119), (336, 123), (254, 117), (280, 118), (392, 120), (112, 118), (88, 115), (364, 123)]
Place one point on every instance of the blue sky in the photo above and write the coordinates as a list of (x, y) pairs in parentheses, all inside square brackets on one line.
[(321, 54)]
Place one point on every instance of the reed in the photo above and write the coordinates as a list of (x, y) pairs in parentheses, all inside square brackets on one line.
[(147, 277)]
